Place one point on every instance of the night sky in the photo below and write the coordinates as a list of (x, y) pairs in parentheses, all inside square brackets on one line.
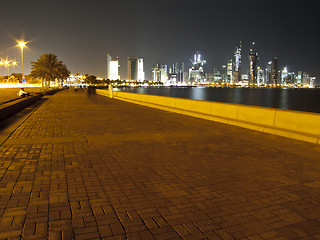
[(81, 32)]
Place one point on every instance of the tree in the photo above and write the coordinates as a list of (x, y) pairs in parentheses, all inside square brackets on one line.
[(91, 79), (48, 68), (18, 76)]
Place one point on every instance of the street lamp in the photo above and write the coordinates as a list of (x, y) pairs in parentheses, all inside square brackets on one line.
[(22, 44), (7, 64)]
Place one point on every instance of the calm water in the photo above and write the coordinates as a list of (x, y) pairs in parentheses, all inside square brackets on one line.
[(293, 99)]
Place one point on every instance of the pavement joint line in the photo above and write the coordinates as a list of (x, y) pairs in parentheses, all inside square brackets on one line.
[(44, 140)]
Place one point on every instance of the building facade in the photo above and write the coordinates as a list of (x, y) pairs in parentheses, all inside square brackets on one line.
[(237, 64), (253, 64), (135, 69), (196, 72), (274, 71), (230, 72), (112, 68)]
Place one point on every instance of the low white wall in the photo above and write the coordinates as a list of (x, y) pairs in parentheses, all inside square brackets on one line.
[(303, 126)]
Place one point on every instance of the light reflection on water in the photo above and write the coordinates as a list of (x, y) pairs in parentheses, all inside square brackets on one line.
[(292, 99)]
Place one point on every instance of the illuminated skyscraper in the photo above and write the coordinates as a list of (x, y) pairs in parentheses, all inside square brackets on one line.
[(159, 73), (237, 64), (284, 75), (260, 76), (274, 71), (156, 73), (217, 77), (112, 68), (180, 73), (196, 72), (253, 60), (135, 69), (230, 71), (299, 78), (268, 73), (163, 73), (141, 76)]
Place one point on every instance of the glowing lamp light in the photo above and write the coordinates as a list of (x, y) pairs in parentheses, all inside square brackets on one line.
[(22, 44)]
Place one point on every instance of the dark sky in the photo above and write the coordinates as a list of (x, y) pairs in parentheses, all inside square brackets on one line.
[(81, 32)]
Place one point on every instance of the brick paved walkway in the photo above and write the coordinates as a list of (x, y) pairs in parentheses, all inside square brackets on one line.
[(89, 167)]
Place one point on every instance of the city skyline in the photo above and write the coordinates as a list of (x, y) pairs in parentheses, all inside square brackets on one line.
[(82, 33)]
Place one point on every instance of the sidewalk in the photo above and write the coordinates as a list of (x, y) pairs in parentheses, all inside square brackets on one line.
[(89, 167)]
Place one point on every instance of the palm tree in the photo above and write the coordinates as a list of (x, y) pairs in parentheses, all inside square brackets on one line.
[(48, 68)]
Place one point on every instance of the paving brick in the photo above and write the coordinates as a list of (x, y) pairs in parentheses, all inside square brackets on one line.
[(90, 167)]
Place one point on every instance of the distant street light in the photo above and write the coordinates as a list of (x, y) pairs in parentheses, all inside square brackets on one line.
[(7, 64), (22, 44)]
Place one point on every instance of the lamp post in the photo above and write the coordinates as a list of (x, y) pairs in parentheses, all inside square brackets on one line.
[(22, 44), (7, 64)]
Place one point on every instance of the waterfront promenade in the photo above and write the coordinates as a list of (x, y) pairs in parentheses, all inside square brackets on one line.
[(84, 166)]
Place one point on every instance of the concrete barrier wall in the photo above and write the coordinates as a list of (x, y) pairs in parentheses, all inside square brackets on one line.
[(13, 107), (293, 124)]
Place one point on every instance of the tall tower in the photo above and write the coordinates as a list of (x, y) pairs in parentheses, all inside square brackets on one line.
[(135, 69), (140, 70), (253, 61), (112, 68), (237, 64), (109, 58), (156, 73), (268, 73), (274, 71), (196, 72), (230, 71)]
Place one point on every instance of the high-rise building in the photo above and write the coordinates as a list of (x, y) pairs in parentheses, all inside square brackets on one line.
[(163, 73), (160, 73), (196, 72), (260, 76), (141, 76), (305, 79), (176, 72), (230, 71), (135, 69), (237, 64), (217, 77), (274, 71), (112, 68), (156, 73), (224, 74), (267, 73), (299, 78), (180, 73), (172, 75), (284, 75), (253, 61)]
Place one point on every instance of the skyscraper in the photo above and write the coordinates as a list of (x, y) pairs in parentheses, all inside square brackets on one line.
[(141, 76), (156, 75), (284, 75), (196, 72), (274, 71), (112, 68), (268, 73), (135, 69), (260, 76), (237, 64), (230, 71), (253, 60)]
